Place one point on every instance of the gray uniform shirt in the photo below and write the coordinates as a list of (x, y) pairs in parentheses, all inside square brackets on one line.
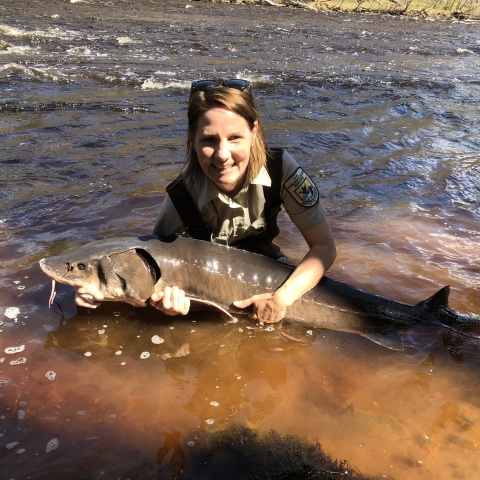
[(233, 219)]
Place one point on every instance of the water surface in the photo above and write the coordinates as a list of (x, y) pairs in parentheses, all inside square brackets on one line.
[(383, 114)]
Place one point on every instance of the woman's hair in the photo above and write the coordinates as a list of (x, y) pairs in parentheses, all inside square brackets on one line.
[(240, 102)]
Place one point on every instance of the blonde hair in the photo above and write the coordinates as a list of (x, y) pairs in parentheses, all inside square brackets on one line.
[(240, 102)]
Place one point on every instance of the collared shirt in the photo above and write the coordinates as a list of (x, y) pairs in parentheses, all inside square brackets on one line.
[(233, 219)]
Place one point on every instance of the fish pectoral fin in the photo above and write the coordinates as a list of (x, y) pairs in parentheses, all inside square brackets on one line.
[(202, 304), (385, 336)]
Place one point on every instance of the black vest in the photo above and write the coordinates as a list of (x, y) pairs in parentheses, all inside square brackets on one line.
[(261, 243)]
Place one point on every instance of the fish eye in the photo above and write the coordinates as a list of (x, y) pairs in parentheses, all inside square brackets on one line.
[(81, 266)]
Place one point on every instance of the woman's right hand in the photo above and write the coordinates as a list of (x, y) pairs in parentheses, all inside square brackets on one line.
[(171, 301)]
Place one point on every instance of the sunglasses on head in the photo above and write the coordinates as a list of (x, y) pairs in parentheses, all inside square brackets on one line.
[(202, 85)]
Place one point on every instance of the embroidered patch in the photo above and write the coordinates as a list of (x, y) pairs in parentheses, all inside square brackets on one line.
[(302, 188)]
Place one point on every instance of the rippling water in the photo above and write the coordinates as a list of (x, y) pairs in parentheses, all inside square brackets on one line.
[(382, 112)]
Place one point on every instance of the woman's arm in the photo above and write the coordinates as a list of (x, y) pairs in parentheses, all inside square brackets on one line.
[(271, 307)]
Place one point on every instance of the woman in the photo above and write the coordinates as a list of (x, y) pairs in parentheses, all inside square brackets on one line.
[(233, 198)]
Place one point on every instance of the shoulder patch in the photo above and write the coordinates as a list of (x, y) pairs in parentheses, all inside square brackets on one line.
[(301, 187)]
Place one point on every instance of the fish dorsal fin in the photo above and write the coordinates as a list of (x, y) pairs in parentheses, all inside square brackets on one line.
[(437, 300), (385, 336)]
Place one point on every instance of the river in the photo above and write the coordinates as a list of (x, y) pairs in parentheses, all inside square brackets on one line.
[(383, 114)]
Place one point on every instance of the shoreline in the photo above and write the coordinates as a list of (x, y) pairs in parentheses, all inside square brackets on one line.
[(431, 9)]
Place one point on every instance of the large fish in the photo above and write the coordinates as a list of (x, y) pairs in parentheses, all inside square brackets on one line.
[(126, 269)]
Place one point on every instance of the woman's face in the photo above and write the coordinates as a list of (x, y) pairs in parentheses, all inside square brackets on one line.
[(222, 141)]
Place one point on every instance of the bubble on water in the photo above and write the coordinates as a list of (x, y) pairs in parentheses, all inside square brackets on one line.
[(123, 363), (58, 407), (21, 414), (52, 445), (270, 329), (105, 326), (214, 404), (191, 443), (20, 451), (2, 359), (51, 375), (209, 421), (144, 355), (16, 282), (22, 404), (157, 340), (21, 287), (101, 331), (88, 354), (18, 361), (12, 312), (309, 332), (81, 412), (116, 314), (192, 331), (118, 352), (9, 446)]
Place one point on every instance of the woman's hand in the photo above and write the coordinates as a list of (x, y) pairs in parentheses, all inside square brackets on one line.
[(171, 301), (271, 307), (267, 307)]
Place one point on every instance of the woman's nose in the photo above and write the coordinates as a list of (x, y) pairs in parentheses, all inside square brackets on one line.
[(223, 150)]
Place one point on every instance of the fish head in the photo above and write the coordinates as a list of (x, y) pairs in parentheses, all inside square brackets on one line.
[(99, 274)]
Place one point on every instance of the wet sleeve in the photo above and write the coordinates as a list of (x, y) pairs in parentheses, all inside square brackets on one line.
[(300, 195), (168, 221)]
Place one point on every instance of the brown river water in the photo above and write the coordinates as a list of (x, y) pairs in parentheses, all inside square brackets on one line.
[(381, 111)]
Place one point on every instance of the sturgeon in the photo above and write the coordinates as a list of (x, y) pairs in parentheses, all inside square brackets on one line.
[(127, 269)]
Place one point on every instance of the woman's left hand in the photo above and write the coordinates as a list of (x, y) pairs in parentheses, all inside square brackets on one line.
[(267, 307)]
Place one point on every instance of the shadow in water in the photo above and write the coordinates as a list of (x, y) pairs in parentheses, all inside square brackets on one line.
[(241, 453)]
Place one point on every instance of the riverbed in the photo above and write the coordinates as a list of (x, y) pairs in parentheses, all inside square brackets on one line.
[(383, 114)]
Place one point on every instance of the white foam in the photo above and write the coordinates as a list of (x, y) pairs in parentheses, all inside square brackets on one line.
[(157, 340), (144, 355), (21, 414), (125, 40), (5, 382), (18, 361), (214, 404), (153, 84), (12, 313), (209, 421), (11, 350), (52, 445), (88, 354), (33, 72), (51, 375)]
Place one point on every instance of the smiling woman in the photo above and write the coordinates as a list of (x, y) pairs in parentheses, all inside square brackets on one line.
[(232, 190)]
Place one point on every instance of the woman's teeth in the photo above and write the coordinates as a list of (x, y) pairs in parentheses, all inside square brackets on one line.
[(223, 168)]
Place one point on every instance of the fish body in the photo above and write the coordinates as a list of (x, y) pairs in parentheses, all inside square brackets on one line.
[(127, 269)]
